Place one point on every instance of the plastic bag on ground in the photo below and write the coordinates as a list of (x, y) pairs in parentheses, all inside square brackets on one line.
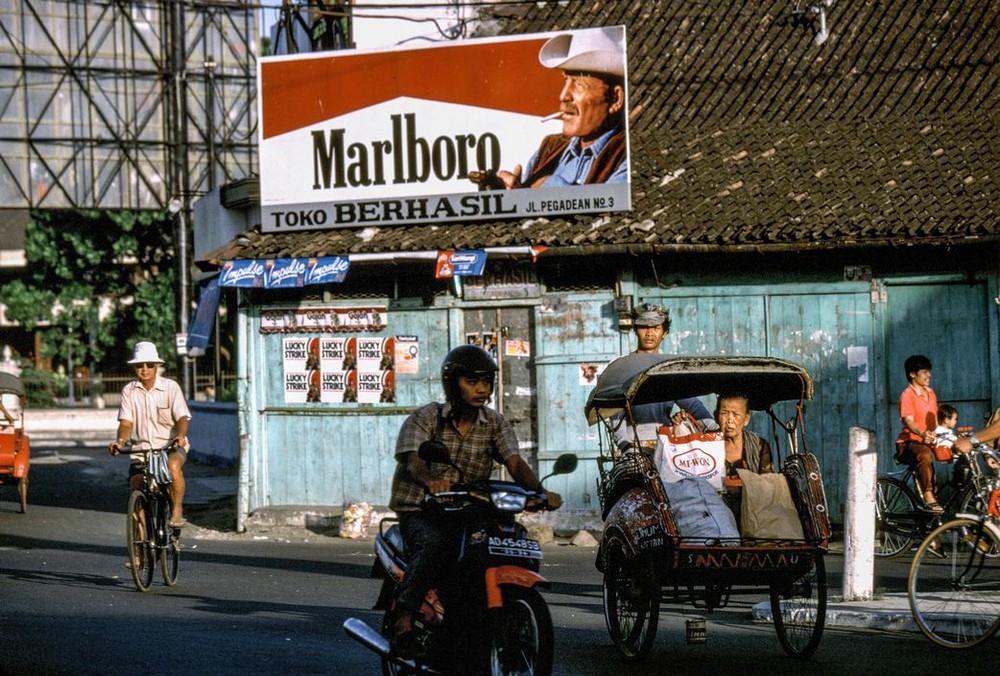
[(354, 521)]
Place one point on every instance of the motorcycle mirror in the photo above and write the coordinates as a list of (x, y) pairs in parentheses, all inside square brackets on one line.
[(564, 464)]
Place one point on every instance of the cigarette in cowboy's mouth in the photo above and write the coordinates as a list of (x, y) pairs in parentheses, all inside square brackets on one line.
[(554, 116)]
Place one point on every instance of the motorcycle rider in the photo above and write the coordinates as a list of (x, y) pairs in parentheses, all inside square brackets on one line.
[(475, 436)]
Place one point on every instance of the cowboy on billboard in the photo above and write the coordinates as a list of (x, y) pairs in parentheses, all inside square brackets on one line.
[(593, 146)]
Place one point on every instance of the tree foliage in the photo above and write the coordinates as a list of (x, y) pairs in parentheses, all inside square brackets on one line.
[(95, 282)]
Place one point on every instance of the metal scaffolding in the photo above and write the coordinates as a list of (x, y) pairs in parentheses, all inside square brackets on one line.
[(124, 104), (127, 104)]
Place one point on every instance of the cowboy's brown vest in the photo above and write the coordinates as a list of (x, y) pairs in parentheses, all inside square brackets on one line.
[(552, 147)]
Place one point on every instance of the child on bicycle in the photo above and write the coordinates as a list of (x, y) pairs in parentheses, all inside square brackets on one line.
[(947, 419), (947, 434)]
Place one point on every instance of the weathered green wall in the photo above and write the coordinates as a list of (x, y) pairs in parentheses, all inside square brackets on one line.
[(852, 336)]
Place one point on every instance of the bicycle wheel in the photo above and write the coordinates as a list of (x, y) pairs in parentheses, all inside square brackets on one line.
[(141, 556), (799, 610), (895, 506), (631, 605), (954, 584), (976, 500), (170, 546)]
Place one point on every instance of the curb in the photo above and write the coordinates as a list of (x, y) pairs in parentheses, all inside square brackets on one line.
[(889, 613)]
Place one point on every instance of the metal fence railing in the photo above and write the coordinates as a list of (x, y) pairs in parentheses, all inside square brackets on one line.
[(48, 390)]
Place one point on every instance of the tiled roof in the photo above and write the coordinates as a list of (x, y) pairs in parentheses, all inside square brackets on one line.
[(745, 133)]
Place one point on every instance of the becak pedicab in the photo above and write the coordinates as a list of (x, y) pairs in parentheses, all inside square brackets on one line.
[(645, 557), (15, 447)]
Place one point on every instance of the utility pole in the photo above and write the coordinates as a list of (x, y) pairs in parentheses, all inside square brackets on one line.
[(180, 182)]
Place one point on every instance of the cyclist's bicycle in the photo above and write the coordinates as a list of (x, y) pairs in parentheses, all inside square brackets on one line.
[(954, 582), (150, 538), (901, 519)]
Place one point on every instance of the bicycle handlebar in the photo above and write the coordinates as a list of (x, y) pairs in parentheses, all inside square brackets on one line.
[(128, 448), (951, 437)]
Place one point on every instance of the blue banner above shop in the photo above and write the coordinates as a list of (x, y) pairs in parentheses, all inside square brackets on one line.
[(203, 323), (284, 273)]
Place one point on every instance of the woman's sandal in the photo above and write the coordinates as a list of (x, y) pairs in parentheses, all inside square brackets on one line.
[(934, 506)]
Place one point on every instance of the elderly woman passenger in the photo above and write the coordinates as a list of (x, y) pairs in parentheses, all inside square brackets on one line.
[(744, 449)]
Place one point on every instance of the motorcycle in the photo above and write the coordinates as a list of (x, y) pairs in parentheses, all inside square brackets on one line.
[(488, 616)]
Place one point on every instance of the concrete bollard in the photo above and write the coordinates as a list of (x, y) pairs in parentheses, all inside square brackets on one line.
[(859, 516)]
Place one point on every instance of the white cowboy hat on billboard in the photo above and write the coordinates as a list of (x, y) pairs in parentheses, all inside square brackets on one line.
[(592, 50), (145, 352)]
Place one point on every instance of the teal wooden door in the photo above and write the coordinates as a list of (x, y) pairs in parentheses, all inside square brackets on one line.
[(575, 336), (831, 334), (717, 323), (507, 334)]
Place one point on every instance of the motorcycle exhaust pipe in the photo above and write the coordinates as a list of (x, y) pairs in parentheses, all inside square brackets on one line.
[(366, 636)]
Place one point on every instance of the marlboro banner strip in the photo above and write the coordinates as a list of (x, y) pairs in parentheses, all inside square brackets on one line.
[(506, 128)]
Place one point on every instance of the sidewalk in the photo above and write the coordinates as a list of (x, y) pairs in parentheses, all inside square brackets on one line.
[(211, 492)]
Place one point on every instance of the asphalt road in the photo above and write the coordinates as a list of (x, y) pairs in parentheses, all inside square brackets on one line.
[(274, 603)]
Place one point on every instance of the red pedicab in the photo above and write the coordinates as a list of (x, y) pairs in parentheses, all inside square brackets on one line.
[(15, 447), (646, 562)]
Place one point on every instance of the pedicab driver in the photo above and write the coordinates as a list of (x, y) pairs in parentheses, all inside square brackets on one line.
[(152, 412), (475, 436), (651, 323)]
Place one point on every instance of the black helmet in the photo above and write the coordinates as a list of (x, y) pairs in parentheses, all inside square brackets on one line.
[(470, 361)]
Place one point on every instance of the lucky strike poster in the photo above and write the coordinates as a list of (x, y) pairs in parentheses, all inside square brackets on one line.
[(368, 138), (342, 369)]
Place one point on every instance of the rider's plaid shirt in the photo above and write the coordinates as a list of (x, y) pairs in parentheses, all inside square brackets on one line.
[(491, 438)]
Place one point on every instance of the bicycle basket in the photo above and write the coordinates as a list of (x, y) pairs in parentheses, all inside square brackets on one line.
[(942, 452), (158, 467), (634, 468)]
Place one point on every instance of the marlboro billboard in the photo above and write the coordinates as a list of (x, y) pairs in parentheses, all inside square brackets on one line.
[(521, 127)]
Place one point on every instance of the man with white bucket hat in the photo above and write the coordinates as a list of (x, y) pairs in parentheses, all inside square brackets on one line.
[(152, 412), (593, 145)]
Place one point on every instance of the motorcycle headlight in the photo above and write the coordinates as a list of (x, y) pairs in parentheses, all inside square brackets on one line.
[(509, 502)]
